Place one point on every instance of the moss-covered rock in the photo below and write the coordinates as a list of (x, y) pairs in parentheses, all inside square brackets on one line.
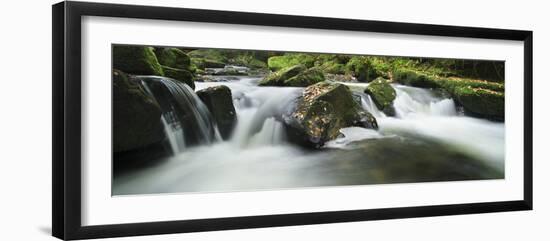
[(136, 60), (382, 94), (219, 102), (320, 113), (278, 78), (294, 76), (306, 78), (481, 102), (173, 57), (136, 115), (414, 78), (276, 63), (180, 74), (362, 68)]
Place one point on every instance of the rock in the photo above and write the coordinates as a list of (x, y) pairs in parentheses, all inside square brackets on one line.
[(180, 74), (362, 68), (136, 60), (276, 63), (173, 58), (382, 95), (219, 102), (295, 76), (320, 113), (481, 102), (136, 116)]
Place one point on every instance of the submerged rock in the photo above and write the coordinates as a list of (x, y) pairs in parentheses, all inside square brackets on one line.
[(382, 94), (173, 58), (320, 113), (136, 60), (294, 76), (181, 75), (219, 102), (136, 116)]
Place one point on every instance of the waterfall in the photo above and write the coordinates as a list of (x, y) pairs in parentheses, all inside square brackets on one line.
[(185, 118), (412, 101)]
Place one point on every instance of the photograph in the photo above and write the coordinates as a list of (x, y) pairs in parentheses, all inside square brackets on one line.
[(190, 119)]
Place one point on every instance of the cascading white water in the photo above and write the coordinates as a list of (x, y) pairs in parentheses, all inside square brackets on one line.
[(184, 98), (257, 156)]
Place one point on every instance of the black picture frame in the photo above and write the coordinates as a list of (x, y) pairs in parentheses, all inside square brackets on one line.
[(66, 169)]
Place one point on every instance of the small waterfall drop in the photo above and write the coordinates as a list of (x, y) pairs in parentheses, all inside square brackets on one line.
[(181, 110)]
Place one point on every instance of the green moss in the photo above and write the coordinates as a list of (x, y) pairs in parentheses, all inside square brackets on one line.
[(136, 60), (381, 92), (180, 74), (276, 63), (173, 57), (414, 78)]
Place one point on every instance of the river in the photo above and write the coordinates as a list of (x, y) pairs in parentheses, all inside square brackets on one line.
[(427, 140)]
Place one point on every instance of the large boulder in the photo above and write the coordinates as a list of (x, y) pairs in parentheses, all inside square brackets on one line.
[(219, 102), (382, 94), (294, 76), (173, 57), (320, 113), (136, 60), (136, 116), (181, 75)]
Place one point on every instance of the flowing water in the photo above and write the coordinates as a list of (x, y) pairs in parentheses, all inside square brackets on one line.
[(427, 140)]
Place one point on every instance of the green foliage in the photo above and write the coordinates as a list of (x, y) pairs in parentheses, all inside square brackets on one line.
[(136, 60), (362, 68)]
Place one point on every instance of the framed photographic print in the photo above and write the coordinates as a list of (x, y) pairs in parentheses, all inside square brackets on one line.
[(171, 120)]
